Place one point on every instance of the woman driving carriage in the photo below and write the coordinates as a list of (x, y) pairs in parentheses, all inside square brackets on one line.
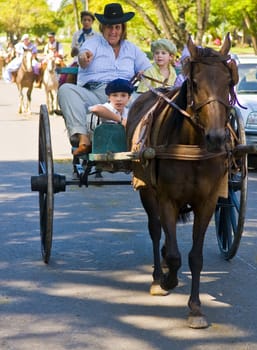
[(101, 59)]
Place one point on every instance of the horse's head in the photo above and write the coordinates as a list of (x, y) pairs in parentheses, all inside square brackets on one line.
[(211, 76), (51, 65), (27, 61)]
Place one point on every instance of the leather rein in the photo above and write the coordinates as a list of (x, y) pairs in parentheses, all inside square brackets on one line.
[(189, 152)]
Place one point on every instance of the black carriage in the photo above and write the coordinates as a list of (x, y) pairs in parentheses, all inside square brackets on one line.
[(109, 154)]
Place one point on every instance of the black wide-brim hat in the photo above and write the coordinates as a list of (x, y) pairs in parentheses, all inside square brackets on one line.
[(113, 14)]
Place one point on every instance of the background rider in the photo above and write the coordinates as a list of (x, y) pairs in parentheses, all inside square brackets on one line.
[(20, 48), (54, 48)]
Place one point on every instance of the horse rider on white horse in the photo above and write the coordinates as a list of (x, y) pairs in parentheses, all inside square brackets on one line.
[(22, 46), (54, 48)]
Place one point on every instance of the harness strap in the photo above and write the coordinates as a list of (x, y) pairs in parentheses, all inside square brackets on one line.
[(168, 100), (185, 152), (210, 100), (163, 83)]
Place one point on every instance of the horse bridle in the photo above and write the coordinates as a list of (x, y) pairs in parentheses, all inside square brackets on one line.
[(194, 117), (197, 107)]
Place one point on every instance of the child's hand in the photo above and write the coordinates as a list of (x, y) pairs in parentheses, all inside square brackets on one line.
[(124, 122)]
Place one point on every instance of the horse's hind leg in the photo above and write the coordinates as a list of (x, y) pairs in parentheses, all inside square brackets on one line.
[(50, 102), (28, 105), (150, 205)]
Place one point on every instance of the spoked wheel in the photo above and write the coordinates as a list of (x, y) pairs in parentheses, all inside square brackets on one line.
[(46, 195), (230, 212)]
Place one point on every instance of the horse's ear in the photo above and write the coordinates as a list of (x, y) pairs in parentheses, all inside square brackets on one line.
[(226, 45), (191, 47)]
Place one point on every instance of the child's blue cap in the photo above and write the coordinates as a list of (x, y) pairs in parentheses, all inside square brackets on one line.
[(119, 85)]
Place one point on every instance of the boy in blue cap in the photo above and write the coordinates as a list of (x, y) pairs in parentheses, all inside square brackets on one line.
[(115, 110)]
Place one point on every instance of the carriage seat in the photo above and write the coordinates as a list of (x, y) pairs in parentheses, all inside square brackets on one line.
[(109, 137)]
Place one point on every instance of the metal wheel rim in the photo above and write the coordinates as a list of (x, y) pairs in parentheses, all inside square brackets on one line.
[(230, 215), (46, 198)]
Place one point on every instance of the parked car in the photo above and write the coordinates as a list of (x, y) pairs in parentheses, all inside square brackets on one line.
[(247, 96)]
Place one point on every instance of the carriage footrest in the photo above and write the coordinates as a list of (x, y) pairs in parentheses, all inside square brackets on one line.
[(110, 156)]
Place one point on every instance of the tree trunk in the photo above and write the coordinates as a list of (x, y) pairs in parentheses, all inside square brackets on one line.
[(248, 24), (148, 20), (76, 13), (203, 11)]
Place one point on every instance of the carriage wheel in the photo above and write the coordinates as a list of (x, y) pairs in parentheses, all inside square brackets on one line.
[(230, 212), (46, 196)]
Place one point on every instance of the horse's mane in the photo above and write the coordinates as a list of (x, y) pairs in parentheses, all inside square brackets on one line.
[(206, 52)]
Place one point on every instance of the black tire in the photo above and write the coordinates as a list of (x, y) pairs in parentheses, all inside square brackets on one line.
[(46, 196), (230, 212)]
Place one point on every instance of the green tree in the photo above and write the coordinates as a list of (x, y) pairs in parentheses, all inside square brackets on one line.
[(27, 16), (170, 19), (240, 16)]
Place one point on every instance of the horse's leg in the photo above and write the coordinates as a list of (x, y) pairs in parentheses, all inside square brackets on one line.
[(21, 101), (48, 103), (172, 257), (28, 106), (202, 217), (150, 204), (52, 101), (55, 103)]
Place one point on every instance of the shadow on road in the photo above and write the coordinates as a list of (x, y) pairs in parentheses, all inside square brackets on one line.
[(94, 292)]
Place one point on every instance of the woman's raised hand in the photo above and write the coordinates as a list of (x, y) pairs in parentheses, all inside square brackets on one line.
[(85, 58)]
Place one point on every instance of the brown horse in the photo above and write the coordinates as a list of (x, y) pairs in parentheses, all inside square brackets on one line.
[(24, 79), (186, 128), (50, 82)]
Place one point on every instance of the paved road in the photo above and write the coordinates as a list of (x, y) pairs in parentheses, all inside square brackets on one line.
[(94, 293)]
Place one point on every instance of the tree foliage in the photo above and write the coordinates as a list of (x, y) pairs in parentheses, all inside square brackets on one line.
[(27, 16), (238, 18), (171, 19)]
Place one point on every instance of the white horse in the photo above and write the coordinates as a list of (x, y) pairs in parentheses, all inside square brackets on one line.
[(50, 82)]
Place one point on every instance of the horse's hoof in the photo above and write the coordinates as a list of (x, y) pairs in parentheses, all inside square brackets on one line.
[(157, 290), (169, 283), (197, 322)]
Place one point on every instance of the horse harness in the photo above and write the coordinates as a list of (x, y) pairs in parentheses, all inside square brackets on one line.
[(187, 152)]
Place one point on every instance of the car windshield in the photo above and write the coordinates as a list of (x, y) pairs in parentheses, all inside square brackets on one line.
[(247, 78)]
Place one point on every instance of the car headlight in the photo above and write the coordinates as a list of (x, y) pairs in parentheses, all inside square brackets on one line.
[(251, 122)]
